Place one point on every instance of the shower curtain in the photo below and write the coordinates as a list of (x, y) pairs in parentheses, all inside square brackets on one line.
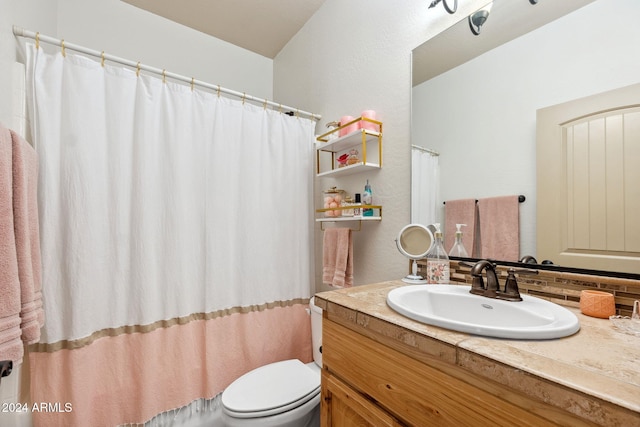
[(175, 238), (425, 182)]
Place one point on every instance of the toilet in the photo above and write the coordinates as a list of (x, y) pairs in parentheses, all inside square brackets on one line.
[(281, 394)]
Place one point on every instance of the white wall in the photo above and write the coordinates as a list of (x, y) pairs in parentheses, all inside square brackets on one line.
[(481, 116), (356, 55), (26, 13), (126, 31)]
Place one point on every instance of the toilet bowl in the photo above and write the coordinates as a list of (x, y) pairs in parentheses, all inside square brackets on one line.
[(281, 394)]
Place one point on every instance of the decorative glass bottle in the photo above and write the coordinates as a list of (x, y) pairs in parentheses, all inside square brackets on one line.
[(437, 260)]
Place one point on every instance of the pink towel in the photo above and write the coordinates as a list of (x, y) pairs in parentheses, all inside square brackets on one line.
[(461, 211), (499, 228), (27, 237), (10, 344), (337, 257)]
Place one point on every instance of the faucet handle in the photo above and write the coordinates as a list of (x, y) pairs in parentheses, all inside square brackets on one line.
[(511, 291)]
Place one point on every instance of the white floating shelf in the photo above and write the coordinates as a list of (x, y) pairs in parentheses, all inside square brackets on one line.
[(347, 141), (349, 218), (348, 170)]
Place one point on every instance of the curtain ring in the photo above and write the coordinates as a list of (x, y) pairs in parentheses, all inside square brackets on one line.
[(37, 40), (138, 69), (102, 61), (63, 50), (164, 76), (192, 79), (265, 104), (244, 96), (280, 108), (218, 91)]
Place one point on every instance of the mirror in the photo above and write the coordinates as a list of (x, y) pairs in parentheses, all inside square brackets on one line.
[(414, 242), (474, 98)]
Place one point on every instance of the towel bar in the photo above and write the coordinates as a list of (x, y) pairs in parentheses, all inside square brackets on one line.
[(352, 229), (521, 199)]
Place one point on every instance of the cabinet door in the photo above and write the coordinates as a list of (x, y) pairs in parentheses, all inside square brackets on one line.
[(343, 407)]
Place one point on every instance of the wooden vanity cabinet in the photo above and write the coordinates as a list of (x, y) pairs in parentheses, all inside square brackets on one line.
[(367, 383)]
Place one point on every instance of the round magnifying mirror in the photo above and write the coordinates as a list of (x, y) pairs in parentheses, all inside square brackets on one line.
[(414, 242)]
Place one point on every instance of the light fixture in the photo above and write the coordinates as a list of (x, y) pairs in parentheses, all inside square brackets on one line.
[(478, 18), (446, 5)]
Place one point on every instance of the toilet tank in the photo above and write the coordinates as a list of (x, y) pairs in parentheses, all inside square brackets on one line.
[(316, 332)]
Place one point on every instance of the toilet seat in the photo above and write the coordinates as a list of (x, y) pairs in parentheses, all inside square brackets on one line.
[(271, 389)]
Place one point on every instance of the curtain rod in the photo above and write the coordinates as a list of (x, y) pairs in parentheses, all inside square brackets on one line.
[(426, 150), (21, 32)]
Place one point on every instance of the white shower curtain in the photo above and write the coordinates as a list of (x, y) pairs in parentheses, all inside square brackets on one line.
[(175, 235), (425, 182)]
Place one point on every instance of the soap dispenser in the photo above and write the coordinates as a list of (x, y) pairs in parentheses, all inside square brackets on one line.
[(458, 248), (437, 260)]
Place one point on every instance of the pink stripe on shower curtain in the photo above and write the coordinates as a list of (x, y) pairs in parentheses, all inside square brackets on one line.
[(175, 365), (168, 266)]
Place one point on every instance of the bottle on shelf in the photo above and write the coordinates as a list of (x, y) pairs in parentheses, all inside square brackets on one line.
[(437, 260), (357, 210), (458, 248), (367, 199)]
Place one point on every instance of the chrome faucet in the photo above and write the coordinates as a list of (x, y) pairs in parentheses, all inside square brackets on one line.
[(492, 289)]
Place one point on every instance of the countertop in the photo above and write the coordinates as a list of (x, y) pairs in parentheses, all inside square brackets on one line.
[(594, 373)]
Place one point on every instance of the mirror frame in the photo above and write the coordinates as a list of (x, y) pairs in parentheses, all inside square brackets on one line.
[(556, 268)]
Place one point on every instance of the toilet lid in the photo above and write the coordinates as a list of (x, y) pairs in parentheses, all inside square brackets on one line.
[(271, 389)]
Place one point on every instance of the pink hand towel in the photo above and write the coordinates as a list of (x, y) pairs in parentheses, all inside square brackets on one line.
[(10, 344), (27, 237), (337, 257), (499, 228), (461, 211)]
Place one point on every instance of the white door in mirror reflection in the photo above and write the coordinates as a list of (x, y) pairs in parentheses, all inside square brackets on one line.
[(589, 178)]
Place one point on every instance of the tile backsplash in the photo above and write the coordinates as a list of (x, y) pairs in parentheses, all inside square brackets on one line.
[(559, 287)]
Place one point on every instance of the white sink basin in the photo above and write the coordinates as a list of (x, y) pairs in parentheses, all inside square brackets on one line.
[(453, 307)]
